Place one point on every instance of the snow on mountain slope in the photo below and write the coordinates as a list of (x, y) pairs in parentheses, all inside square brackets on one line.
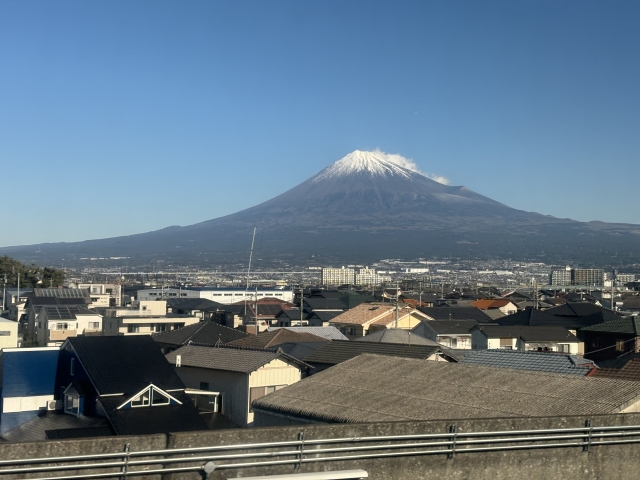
[(360, 162)]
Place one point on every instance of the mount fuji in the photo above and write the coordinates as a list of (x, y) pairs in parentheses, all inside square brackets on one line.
[(364, 207)]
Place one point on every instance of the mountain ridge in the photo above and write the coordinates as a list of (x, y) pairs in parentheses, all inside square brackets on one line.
[(365, 206)]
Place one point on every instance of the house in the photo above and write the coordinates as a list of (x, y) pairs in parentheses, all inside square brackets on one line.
[(539, 318), (563, 363), (144, 318), (378, 388), (14, 302), (358, 321), (263, 312), (9, 334), (322, 319), (50, 297), (102, 294), (55, 324), (338, 351), (609, 340), (127, 381), (320, 304), (448, 333), (27, 384), (195, 307), (536, 338), (207, 333), (496, 307), (290, 318), (239, 376)]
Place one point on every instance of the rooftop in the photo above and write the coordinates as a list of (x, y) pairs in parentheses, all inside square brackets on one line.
[(535, 361), (375, 388), (201, 333)]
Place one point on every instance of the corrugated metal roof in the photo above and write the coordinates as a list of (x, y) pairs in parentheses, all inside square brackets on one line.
[(534, 361)]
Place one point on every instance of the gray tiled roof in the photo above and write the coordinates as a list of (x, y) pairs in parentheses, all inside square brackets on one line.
[(535, 361), (201, 333), (396, 335), (528, 333), (627, 325), (330, 333), (315, 303), (228, 359), (375, 388), (456, 313), (445, 327), (338, 351)]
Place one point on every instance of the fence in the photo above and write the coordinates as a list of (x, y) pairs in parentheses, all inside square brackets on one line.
[(299, 451)]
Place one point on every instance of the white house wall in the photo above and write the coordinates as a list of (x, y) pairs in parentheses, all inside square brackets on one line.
[(275, 373)]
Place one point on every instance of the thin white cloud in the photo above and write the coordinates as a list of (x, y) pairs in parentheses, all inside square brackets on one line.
[(409, 164)]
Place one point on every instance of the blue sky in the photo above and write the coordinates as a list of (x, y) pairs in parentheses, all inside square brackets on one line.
[(122, 117)]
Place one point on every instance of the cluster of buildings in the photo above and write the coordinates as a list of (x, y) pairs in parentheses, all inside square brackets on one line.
[(93, 360)]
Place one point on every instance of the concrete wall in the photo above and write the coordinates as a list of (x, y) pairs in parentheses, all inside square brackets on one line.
[(10, 451), (600, 462)]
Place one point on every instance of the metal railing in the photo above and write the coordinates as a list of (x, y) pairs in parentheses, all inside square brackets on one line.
[(306, 451)]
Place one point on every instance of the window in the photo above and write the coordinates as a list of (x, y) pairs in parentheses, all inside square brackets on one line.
[(351, 331), (506, 343), (259, 392), (597, 342), (160, 327), (620, 345), (94, 325), (563, 347), (133, 328), (204, 385), (62, 326), (454, 343), (141, 400), (144, 308), (158, 398)]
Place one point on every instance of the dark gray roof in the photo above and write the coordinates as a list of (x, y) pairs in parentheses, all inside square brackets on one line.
[(456, 313), (535, 361), (201, 333), (124, 364), (315, 303), (446, 327), (151, 420), (396, 335), (227, 359), (528, 333), (376, 388), (292, 314), (338, 351), (36, 429), (324, 316), (200, 304), (67, 313), (626, 325), (55, 301), (575, 309)]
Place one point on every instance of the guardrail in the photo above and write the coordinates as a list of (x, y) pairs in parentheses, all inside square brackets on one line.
[(305, 451)]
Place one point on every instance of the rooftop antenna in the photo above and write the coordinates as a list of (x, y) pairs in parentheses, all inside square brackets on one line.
[(246, 289)]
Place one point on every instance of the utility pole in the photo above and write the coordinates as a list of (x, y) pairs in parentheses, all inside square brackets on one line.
[(397, 298), (301, 301), (613, 283)]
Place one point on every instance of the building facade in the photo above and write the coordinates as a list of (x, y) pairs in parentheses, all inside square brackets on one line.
[(338, 276)]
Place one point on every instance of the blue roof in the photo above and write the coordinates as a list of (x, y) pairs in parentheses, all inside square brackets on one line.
[(534, 361)]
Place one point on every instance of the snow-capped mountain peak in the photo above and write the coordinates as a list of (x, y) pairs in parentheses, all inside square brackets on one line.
[(371, 163)]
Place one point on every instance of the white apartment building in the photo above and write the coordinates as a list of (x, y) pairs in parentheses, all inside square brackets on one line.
[(144, 318), (227, 295), (338, 276), (103, 294), (367, 276)]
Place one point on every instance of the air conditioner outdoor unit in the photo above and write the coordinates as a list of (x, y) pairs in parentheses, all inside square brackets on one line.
[(51, 405)]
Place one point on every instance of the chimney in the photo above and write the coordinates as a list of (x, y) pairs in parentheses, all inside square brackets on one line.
[(178, 360)]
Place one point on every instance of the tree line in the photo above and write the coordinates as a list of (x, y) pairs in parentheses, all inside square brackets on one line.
[(31, 276)]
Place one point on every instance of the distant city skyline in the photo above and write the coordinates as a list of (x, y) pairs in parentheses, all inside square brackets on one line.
[(120, 118)]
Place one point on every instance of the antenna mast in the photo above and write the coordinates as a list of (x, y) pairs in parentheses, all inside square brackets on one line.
[(246, 289)]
